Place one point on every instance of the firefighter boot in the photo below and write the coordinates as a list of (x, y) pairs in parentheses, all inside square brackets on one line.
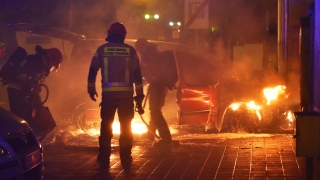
[(104, 151), (165, 143), (125, 156)]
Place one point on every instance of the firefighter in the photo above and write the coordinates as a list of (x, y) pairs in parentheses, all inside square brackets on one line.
[(120, 69), (159, 70), (24, 82)]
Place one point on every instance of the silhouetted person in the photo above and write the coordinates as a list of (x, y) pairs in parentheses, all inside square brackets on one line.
[(25, 74), (120, 69), (159, 70)]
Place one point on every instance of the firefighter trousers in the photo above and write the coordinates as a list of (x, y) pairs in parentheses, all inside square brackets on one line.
[(125, 109), (157, 94)]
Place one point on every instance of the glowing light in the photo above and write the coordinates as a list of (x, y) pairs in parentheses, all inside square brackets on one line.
[(116, 127), (173, 23), (94, 132), (147, 16), (253, 106), (273, 93), (258, 114), (137, 128), (235, 106), (156, 16), (213, 29), (290, 116)]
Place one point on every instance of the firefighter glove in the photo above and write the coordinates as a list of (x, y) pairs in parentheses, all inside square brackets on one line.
[(93, 96), (139, 108), (139, 98)]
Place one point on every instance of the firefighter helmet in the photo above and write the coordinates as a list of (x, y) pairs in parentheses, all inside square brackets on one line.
[(117, 28), (140, 44), (54, 57)]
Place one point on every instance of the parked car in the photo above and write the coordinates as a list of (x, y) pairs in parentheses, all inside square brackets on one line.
[(21, 155)]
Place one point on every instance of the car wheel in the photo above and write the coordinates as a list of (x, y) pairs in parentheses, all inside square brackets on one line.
[(243, 122)]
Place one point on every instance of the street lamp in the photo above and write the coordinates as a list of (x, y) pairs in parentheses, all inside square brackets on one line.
[(156, 16), (148, 16)]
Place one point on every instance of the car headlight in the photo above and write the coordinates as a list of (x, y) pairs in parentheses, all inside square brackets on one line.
[(3, 151)]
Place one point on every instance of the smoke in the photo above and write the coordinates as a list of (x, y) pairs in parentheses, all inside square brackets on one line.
[(238, 23)]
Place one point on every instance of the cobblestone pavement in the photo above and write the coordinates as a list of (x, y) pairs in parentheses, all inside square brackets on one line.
[(221, 156)]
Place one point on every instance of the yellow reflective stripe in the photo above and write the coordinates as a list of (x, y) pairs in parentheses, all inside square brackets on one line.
[(127, 69), (138, 86), (91, 84), (117, 89), (105, 62)]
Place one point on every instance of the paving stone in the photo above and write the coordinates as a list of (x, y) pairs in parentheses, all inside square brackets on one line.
[(250, 158)]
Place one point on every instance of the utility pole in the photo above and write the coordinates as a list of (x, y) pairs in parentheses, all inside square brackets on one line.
[(283, 14)]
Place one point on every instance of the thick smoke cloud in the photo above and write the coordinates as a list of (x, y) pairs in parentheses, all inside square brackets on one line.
[(237, 23)]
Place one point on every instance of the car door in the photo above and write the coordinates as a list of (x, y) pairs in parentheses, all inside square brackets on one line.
[(196, 92)]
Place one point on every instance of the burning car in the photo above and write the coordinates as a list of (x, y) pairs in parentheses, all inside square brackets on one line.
[(262, 109), (21, 154)]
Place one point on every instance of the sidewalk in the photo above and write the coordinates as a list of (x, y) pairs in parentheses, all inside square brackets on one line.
[(199, 156)]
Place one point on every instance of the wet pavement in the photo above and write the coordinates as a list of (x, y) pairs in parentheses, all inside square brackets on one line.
[(222, 156)]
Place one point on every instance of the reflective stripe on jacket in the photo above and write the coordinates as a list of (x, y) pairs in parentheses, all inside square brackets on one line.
[(120, 70)]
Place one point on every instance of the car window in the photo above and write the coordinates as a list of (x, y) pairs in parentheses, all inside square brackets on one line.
[(196, 70)]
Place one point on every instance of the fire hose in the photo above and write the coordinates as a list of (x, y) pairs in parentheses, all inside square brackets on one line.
[(140, 109)]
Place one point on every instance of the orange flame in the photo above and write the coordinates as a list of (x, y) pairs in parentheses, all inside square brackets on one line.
[(138, 127), (251, 105), (235, 106), (273, 93)]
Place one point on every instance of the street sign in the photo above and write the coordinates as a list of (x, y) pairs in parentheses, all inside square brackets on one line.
[(196, 14), (134, 18)]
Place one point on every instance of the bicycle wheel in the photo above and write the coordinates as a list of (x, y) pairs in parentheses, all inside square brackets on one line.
[(44, 93)]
